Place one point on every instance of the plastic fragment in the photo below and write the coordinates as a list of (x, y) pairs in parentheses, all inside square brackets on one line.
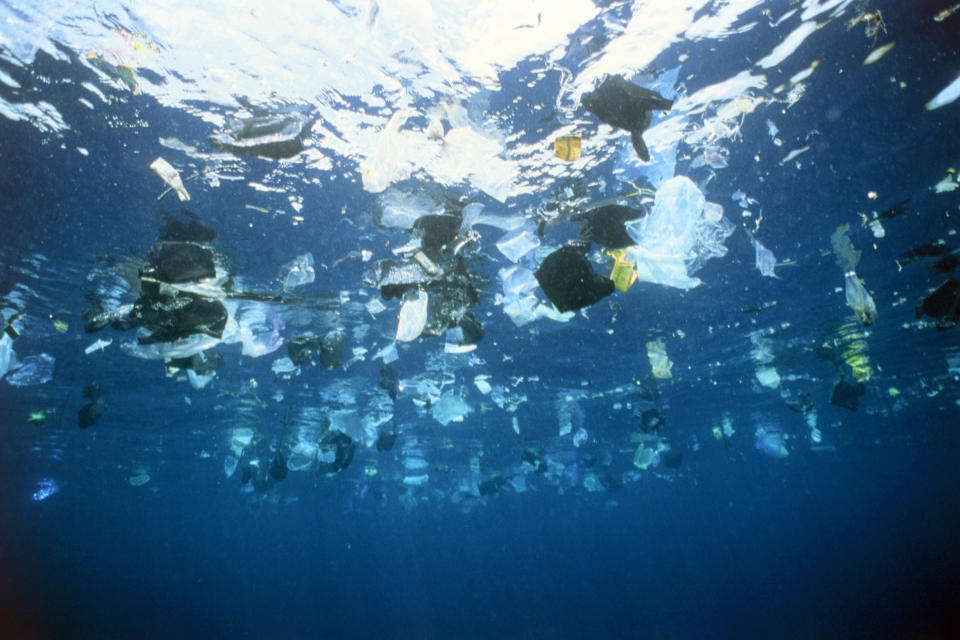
[(170, 175), (299, 271), (657, 354), (413, 315), (766, 261), (770, 442), (859, 299), (517, 243), (99, 345), (624, 273), (567, 147)]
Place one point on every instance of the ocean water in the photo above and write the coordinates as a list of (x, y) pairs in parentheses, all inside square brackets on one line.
[(762, 455)]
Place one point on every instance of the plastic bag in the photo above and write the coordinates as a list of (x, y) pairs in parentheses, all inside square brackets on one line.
[(676, 237)]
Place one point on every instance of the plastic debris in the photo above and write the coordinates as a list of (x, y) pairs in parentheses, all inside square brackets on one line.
[(140, 478), (676, 235), (283, 365), (771, 442), (947, 95), (413, 315), (659, 362), (94, 408), (644, 457), (46, 487), (847, 395), (269, 136), (120, 72), (606, 225), (299, 271), (450, 408), (335, 452), (765, 259), (569, 281), (580, 437), (624, 273), (652, 421), (8, 358), (943, 305), (847, 257), (33, 370), (567, 147), (949, 182), (627, 106), (517, 243), (98, 345), (859, 299), (768, 377), (170, 175), (570, 414)]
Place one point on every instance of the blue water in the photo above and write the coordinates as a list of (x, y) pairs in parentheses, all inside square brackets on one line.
[(851, 537)]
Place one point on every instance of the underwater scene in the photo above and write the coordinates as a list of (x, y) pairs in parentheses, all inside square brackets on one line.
[(480, 319)]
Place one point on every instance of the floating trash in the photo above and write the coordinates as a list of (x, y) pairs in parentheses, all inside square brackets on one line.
[(567, 147), (46, 487)]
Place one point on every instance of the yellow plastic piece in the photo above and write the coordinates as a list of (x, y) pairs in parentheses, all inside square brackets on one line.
[(567, 147), (624, 274)]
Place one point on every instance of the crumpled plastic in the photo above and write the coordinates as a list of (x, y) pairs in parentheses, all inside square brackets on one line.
[(677, 237)]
